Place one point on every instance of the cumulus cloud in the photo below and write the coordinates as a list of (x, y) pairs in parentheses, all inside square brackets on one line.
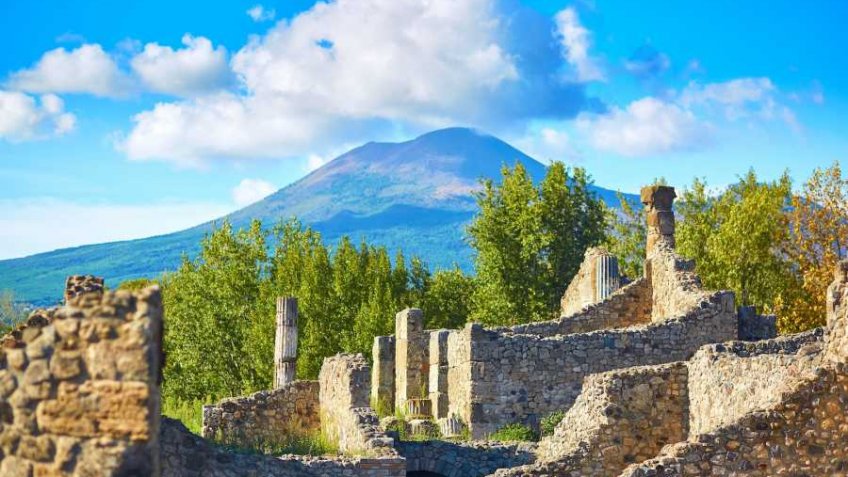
[(196, 69), (258, 13), (23, 118), (647, 126), (348, 70), (576, 41), (86, 69), (249, 191), (687, 120), (22, 222)]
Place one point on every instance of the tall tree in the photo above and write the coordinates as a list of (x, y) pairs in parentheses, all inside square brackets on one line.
[(627, 236)]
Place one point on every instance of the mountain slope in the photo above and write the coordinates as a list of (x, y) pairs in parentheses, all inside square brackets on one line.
[(415, 195)]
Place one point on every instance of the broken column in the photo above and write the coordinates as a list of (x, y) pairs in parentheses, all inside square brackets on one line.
[(439, 372), (76, 285), (411, 361), (285, 342), (607, 279), (597, 278), (383, 374), (658, 201)]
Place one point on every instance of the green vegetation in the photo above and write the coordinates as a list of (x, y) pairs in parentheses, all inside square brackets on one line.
[(627, 237), (189, 412), (11, 312), (514, 433), (548, 423), (529, 242)]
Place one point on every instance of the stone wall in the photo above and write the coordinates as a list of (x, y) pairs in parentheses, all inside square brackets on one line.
[(837, 315), (753, 326), (806, 434), (464, 459), (596, 279), (265, 416), (411, 360), (187, 455), (675, 286), (621, 417), (503, 377), (346, 416), (76, 285), (628, 306), (79, 390), (728, 380), (383, 375)]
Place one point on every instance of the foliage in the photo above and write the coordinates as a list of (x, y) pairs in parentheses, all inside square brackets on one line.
[(529, 242), (627, 237), (818, 240), (513, 433), (189, 411), (11, 312), (735, 238), (137, 284), (548, 423), (446, 301)]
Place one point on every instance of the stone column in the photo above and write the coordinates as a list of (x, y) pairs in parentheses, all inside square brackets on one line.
[(383, 373), (607, 279), (285, 342), (658, 201), (411, 361), (439, 373)]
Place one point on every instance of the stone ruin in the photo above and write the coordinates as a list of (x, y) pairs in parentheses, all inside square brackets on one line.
[(656, 377)]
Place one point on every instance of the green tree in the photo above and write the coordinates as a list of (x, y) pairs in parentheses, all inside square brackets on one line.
[(735, 238), (530, 241), (447, 301)]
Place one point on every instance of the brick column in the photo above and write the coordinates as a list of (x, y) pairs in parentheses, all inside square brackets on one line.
[(383, 372), (285, 342), (658, 201), (439, 372), (411, 361)]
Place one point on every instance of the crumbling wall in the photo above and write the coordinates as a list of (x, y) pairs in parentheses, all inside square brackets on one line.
[(79, 395), (726, 381), (76, 285), (264, 417), (346, 417), (465, 459), (675, 286), (806, 434), (755, 327), (628, 306), (621, 417), (837, 315), (595, 280), (521, 378)]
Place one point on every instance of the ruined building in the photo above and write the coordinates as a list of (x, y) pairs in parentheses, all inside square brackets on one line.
[(656, 377)]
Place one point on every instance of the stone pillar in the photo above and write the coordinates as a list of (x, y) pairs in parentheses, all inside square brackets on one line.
[(658, 201), (837, 314), (383, 373), (76, 285), (411, 361), (607, 278), (285, 342), (439, 372)]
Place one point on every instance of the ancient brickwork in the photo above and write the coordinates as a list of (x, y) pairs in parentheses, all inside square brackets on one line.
[(187, 455), (521, 378), (76, 285), (79, 390), (438, 380), (471, 459), (596, 279), (383, 375), (628, 306), (658, 201), (264, 417), (837, 315), (806, 434), (621, 417), (726, 381), (346, 416), (753, 327), (411, 360), (675, 286)]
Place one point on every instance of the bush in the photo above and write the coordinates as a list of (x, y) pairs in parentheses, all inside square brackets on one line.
[(514, 432), (549, 422), (189, 412)]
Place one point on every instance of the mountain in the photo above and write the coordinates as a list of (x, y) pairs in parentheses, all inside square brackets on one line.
[(415, 195)]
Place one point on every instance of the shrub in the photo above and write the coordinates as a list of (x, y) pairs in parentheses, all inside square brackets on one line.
[(514, 432), (549, 422)]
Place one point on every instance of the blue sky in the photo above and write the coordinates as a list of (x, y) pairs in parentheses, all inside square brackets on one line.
[(128, 119)]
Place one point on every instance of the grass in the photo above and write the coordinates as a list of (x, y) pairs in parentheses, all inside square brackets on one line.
[(189, 412), (314, 444), (514, 433)]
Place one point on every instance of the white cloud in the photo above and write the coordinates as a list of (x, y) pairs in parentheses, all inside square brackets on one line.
[(548, 143), (335, 71), (576, 41), (249, 191), (196, 69), (647, 126), (742, 98), (314, 161), (87, 69), (22, 222), (22, 118), (260, 14)]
